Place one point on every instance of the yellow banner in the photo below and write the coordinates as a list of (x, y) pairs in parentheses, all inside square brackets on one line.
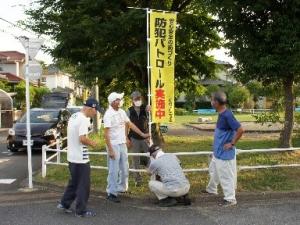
[(162, 59)]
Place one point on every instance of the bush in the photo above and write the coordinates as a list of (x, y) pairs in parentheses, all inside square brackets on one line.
[(267, 117), (39, 92), (181, 112), (237, 96), (36, 94), (5, 86)]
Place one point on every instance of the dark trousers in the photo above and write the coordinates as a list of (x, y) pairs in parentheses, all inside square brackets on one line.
[(78, 187)]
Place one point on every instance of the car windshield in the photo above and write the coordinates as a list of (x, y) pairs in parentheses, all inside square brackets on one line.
[(41, 117)]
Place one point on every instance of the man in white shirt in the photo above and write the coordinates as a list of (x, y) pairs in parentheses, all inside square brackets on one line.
[(78, 158), (116, 125)]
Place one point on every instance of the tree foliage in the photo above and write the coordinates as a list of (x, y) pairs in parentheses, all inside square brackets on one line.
[(264, 38), (237, 96), (36, 94), (4, 86), (192, 96), (105, 39)]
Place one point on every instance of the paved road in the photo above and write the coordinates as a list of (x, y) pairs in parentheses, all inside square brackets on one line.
[(42, 211), (13, 166)]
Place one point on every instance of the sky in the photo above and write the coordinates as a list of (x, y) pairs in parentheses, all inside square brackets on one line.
[(13, 11)]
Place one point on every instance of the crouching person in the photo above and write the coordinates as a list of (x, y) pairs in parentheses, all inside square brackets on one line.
[(170, 184)]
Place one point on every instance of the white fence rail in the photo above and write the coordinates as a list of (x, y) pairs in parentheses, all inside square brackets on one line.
[(57, 153)]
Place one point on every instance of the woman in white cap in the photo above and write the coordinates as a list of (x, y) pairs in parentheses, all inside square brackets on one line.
[(116, 123)]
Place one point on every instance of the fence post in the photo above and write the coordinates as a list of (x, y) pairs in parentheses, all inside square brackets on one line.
[(58, 147), (44, 159)]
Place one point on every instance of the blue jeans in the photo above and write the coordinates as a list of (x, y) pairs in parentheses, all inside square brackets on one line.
[(117, 179)]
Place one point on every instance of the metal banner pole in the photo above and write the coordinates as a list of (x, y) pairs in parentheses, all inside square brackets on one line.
[(149, 74)]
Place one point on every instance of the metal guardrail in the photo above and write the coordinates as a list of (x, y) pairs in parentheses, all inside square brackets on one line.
[(49, 161)]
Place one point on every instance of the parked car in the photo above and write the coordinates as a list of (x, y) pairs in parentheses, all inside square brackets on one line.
[(46, 125)]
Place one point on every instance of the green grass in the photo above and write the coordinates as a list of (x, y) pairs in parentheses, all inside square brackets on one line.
[(257, 180)]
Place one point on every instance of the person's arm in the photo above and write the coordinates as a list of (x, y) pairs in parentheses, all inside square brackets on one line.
[(83, 134), (151, 169), (86, 141), (133, 127), (234, 125), (238, 135), (111, 152), (137, 130), (236, 138), (127, 129)]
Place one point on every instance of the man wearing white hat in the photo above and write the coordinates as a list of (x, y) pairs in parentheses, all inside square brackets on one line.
[(116, 122)]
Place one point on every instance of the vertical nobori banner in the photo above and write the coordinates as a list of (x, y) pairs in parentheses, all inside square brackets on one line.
[(162, 59)]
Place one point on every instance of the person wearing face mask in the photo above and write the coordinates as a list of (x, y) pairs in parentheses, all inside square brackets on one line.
[(138, 115), (116, 122), (222, 168)]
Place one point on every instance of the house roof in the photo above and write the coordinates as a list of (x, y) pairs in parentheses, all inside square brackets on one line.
[(224, 63), (11, 78), (12, 56)]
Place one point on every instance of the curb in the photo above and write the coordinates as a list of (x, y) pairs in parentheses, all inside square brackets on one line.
[(199, 200)]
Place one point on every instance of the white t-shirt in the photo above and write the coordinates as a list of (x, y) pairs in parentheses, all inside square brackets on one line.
[(116, 122), (78, 125)]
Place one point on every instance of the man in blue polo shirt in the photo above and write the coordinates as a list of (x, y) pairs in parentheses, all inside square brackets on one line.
[(222, 169)]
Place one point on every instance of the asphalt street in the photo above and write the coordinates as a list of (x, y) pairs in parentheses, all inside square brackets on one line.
[(13, 167), (42, 211)]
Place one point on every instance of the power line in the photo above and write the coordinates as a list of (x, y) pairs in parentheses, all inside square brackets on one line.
[(6, 32), (29, 31)]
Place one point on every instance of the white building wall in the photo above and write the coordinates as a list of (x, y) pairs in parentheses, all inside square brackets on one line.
[(51, 81), (59, 80)]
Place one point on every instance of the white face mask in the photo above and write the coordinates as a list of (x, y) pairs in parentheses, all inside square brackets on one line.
[(121, 103), (138, 103)]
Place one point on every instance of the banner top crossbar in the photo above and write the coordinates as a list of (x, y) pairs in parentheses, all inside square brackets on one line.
[(156, 10)]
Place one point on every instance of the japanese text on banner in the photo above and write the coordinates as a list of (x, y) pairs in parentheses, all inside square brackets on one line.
[(162, 59)]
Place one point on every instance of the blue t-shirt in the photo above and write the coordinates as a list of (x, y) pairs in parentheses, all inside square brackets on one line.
[(225, 131)]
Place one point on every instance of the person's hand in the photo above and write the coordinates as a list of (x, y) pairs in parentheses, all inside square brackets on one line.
[(111, 154), (128, 142), (145, 135), (93, 144), (228, 146), (148, 140), (148, 108)]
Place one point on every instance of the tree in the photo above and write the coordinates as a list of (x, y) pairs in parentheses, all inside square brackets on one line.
[(4, 86), (212, 89), (192, 96), (238, 96), (20, 99), (105, 39), (264, 38), (39, 92), (36, 94), (256, 91)]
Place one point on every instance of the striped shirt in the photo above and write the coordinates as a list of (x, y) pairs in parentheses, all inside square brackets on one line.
[(78, 126)]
